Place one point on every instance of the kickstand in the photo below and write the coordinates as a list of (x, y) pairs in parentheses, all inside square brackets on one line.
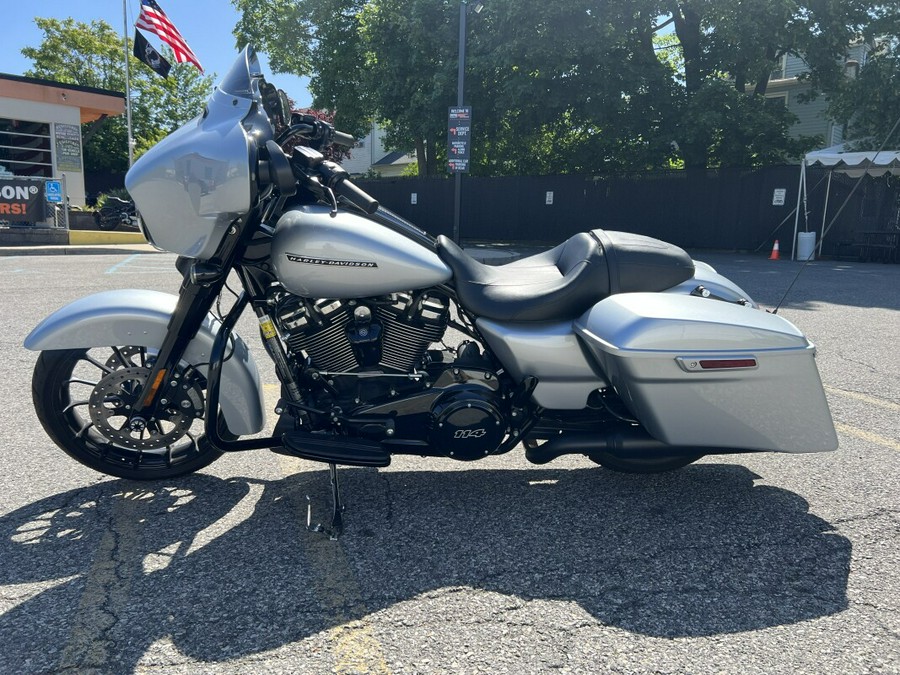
[(337, 512)]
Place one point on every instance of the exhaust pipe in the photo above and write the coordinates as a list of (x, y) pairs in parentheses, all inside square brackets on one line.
[(626, 442)]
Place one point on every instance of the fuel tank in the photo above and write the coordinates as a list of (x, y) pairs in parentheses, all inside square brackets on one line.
[(348, 256)]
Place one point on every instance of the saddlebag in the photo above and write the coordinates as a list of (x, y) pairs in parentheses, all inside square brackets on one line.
[(706, 373)]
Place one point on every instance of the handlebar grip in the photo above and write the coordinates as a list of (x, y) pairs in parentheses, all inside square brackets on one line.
[(340, 138), (359, 197)]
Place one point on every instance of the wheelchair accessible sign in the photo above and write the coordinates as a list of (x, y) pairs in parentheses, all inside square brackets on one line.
[(54, 191)]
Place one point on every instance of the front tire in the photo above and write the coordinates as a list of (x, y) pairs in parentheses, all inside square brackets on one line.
[(82, 398)]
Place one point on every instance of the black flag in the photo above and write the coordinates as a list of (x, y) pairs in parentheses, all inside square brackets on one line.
[(145, 52)]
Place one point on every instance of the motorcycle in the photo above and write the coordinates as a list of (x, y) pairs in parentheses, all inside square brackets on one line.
[(611, 345), (116, 212)]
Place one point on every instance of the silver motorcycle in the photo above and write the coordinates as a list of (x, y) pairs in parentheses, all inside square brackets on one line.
[(611, 345)]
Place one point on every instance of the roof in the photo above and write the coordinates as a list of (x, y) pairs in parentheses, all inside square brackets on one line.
[(93, 103), (396, 157), (856, 164)]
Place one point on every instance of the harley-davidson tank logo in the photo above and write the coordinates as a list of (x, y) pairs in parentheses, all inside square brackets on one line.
[(329, 262)]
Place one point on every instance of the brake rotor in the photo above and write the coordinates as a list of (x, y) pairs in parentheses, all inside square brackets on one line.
[(115, 396)]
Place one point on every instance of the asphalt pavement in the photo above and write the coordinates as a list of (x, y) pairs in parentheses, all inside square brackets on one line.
[(743, 564)]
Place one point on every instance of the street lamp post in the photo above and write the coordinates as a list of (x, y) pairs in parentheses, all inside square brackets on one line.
[(460, 88)]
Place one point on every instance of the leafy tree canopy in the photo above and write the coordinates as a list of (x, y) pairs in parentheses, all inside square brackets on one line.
[(580, 85), (869, 102)]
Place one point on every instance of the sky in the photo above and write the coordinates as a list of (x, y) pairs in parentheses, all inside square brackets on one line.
[(206, 25)]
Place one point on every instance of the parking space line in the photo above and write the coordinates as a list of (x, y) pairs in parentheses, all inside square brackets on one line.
[(865, 398), (877, 439), (115, 268)]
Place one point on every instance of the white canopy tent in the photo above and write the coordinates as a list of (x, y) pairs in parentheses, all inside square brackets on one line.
[(853, 164)]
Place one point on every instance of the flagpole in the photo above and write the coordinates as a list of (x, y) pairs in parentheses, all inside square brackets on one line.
[(127, 84)]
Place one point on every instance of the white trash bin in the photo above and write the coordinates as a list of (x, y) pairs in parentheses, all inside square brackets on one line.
[(806, 245)]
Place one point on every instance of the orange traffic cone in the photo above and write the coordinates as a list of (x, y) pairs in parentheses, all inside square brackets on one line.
[(774, 255)]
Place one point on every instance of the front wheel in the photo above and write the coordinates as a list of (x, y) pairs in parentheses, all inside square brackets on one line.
[(658, 464), (83, 398)]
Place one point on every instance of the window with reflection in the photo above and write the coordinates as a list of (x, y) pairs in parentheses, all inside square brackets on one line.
[(25, 148)]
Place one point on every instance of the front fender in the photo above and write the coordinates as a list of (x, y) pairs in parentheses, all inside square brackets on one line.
[(141, 318)]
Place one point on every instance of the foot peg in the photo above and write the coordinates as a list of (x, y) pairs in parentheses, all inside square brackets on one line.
[(337, 510), (334, 450)]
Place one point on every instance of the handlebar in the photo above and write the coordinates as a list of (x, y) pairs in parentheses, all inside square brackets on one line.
[(333, 176), (345, 140), (319, 132), (361, 198)]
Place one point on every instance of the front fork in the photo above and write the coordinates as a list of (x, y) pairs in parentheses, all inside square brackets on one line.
[(194, 302)]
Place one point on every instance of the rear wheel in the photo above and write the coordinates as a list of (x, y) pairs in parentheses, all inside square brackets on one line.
[(84, 397), (109, 218), (643, 464)]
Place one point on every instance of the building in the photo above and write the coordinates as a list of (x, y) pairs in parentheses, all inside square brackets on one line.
[(370, 154), (40, 128), (812, 116)]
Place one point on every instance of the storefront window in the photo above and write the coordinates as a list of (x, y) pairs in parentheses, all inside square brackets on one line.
[(25, 148)]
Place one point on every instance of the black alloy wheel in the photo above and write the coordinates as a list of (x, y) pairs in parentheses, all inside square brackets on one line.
[(83, 399)]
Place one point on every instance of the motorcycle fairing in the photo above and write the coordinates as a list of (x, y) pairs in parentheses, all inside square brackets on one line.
[(141, 318), (191, 186)]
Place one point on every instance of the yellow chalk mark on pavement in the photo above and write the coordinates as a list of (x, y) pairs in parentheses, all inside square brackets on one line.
[(356, 649)]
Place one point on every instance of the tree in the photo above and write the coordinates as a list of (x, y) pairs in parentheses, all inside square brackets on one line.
[(581, 85), (869, 101), (91, 55), (317, 38)]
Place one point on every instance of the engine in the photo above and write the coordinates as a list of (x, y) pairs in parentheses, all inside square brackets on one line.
[(374, 354), (391, 333)]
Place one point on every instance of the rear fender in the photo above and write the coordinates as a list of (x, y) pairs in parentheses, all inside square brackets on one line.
[(141, 318)]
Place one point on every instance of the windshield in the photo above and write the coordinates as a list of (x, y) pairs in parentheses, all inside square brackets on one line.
[(239, 80)]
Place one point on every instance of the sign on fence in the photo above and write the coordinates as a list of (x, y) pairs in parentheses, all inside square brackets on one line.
[(54, 191), (21, 200)]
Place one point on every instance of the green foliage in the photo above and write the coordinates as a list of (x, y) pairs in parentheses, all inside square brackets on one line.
[(870, 103), (91, 54), (280, 28), (578, 86)]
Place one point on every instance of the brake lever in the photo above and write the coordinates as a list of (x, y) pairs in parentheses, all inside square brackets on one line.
[(332, 198)]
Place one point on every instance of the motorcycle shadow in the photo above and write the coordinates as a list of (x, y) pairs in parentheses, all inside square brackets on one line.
[(224, 568)]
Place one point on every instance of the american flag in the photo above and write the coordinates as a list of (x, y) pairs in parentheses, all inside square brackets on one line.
[(153, 19)]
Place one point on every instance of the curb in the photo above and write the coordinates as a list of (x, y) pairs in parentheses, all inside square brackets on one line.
[(89, 249), (95, 237)]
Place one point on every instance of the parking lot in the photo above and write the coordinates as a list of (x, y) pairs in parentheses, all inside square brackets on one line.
[(745, 563)]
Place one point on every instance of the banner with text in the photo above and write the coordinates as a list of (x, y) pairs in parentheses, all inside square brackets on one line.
[(21, 200)]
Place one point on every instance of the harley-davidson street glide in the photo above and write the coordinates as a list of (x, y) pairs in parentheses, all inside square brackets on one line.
[(611, 345)]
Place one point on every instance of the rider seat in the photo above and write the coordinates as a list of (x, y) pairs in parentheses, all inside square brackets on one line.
[(562, 283)]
